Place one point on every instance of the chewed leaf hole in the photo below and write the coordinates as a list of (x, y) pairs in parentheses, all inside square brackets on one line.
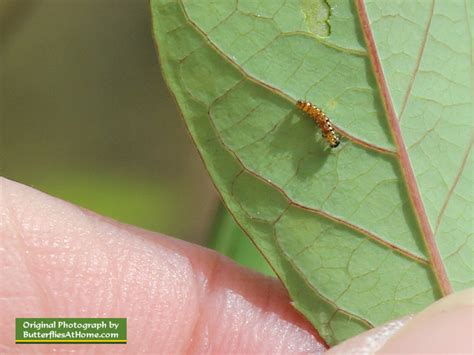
[(316, 15)]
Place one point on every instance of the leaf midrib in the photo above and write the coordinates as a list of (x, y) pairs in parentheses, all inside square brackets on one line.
[(436, 261)]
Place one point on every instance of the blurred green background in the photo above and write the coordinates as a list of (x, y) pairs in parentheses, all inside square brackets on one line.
[(87, 117)]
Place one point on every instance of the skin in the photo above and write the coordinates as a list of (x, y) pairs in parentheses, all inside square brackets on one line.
[(59, 260)]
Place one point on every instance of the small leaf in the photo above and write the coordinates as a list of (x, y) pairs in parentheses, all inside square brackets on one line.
[(372, 230)]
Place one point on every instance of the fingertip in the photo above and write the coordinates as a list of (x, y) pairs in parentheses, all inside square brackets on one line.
[(175, 295), (445, 327)]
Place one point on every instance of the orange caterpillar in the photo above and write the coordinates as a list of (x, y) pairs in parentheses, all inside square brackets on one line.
[(322, 120)]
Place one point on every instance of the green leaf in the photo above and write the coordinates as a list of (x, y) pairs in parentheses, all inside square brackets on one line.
[(372, 230)]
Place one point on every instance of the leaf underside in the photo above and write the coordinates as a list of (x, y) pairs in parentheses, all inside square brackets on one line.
[(379, 227)]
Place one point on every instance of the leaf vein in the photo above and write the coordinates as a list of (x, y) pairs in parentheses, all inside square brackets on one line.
[(453, 187), (418, 62)]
